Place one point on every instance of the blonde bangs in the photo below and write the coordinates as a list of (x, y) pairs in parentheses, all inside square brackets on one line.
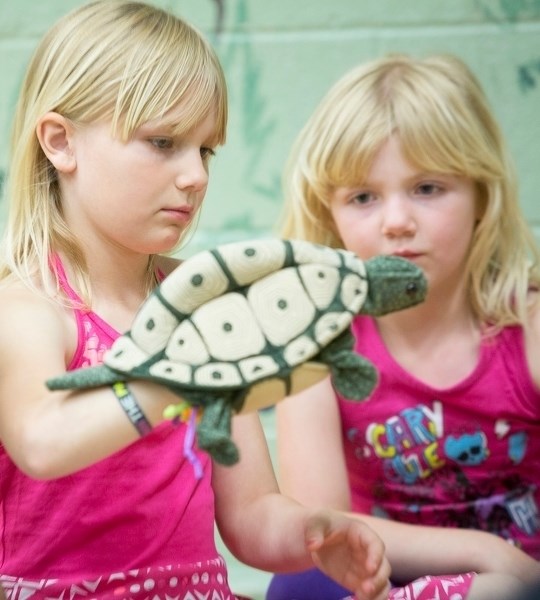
[(438, 145), (152, 87), (343, 141), (135, 63), (158, 79), (347, 162), (442, 127)]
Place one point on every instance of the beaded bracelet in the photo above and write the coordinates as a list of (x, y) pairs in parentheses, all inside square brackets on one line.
[(131, 407)]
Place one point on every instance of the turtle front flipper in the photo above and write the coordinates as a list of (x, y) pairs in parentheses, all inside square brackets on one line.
[(353, 376), (85, 378), (214, 431)]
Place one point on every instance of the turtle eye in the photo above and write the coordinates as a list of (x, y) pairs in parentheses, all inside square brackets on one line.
[(411, 288)]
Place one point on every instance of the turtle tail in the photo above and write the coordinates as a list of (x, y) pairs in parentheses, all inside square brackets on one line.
[(85, 378)]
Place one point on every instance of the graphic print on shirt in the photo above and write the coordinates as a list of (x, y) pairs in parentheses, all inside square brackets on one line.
[(425, 469)]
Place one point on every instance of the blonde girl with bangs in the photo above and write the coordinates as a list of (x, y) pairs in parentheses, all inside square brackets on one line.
[(121, 109), (404, 157)]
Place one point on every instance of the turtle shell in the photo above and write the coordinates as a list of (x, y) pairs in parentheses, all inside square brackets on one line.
[(242, 313)]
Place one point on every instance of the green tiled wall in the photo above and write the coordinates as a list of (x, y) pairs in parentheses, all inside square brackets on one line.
[(280, 56)]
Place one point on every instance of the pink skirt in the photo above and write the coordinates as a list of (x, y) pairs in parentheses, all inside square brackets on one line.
[(200, 580), (441, 587)]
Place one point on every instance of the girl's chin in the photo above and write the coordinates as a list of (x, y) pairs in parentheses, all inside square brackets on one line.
[(170, 239), (162, 247)]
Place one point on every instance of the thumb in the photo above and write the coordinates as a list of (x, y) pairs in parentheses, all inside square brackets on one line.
[(316, 530)]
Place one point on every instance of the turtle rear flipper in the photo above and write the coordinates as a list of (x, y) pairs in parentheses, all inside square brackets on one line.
[(214, 432)]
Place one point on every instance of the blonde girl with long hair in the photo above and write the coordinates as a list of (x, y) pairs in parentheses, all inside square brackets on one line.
[(122, 107), (403, 157)]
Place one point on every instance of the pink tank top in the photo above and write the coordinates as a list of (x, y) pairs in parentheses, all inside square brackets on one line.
[(137, 516), (465, 456)]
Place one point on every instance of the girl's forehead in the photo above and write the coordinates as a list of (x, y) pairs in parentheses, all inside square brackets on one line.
[(182, 117), (168, 115), (183, 123)]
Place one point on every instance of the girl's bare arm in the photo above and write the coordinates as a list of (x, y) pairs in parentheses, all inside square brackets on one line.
[(51, 434), (272, 532)]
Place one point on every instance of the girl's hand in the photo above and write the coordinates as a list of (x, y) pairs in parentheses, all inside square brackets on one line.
[(349, 552)]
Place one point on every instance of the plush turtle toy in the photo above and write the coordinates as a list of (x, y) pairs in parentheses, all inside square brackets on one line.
[(240, 327)]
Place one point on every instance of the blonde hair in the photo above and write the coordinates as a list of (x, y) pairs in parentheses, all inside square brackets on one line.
[(110, 59), (439, 111)]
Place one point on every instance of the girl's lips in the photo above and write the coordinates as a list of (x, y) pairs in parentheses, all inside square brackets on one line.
[(406, 254), (182, 215)]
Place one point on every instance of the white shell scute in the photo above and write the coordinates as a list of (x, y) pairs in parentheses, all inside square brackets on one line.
[(321, 282), (152, 326), (229, 328), (281, 306), (194, 282), (253, 260), (176, 372), (257, 367), (354, 290), (330, 325), (306, 252), (124, 355), (186, 345), (300, 350), (218, 375)]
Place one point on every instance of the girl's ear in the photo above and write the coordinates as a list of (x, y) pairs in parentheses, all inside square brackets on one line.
[(55, 136)]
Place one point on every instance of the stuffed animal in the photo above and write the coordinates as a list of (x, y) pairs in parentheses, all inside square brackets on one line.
[(239, 327)]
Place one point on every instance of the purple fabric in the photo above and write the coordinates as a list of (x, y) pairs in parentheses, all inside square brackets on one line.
[(314, 585), (308, 585)]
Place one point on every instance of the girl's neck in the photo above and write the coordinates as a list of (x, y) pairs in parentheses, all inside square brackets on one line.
[(118, 286), (437, 342)]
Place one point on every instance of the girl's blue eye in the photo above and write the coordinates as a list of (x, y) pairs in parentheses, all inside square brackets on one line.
[(428, 189), (362, 198), (162, 143)]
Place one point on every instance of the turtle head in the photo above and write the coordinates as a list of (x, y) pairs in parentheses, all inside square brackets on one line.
[(393, 284)]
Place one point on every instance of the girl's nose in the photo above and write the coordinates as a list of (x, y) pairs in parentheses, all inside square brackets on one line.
[(398, 217), (192, 172)]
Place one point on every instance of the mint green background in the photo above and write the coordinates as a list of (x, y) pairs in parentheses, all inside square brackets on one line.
[(280, 56)]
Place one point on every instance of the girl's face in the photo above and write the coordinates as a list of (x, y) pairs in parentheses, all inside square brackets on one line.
[(427, 218), (138, 195)]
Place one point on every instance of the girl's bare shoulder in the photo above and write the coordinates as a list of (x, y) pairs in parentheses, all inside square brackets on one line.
[(23, 310), (15, 295)]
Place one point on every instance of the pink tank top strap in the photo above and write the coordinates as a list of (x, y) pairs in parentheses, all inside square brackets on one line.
[(94, 335), (58, 268)]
